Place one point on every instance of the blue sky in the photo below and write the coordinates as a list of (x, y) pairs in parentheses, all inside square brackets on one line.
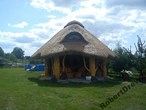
[(16, 11), (28, 24)]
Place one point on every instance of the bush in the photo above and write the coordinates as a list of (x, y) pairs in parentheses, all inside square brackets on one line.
[(144, 71)]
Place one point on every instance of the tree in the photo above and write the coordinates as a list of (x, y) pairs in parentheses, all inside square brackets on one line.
[(18, 53), (123, 60), (145, 53), (2, 54), (11, 57), (140, 55)]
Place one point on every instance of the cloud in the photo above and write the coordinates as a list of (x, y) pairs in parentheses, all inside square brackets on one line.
[(51, 16), (28, 41), (100, 27), (6, 45), (48, 5), (66, 3), (21, 25), (52, 4), (87, 16), (43, 35), (110, 21), (23, 39), (36, 44), (138, 4)]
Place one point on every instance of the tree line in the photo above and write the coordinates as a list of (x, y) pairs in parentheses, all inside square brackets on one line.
[(17, 53), (16, 56)]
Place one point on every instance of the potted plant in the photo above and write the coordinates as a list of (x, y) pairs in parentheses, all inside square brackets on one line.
[(88, 77)]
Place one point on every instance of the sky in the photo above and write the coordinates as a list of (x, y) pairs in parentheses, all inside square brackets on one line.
[(29, 24)]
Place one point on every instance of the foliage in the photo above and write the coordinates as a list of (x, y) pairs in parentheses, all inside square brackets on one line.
[(1, 62), (10, 57), (140, 55), (1, 52), (18, 52), (124, 59), (27, 57)]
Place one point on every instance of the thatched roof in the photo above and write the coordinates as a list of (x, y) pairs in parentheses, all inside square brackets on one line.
[(85, 43)]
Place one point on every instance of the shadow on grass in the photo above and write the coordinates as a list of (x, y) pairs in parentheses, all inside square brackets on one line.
[(72, 85)]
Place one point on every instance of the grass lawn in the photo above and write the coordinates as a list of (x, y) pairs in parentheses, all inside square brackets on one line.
[(20, 90)]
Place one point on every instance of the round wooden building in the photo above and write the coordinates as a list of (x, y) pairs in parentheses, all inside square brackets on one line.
[(74, 52)]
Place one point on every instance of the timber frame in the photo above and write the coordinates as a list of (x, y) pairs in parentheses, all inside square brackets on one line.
[(56, 66)]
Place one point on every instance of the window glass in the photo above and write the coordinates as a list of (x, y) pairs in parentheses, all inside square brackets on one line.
[(74, 36)]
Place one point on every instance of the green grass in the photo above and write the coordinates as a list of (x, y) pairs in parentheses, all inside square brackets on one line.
[(20, 90)]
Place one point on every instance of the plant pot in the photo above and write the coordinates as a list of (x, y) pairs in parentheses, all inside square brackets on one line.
[(88, 78)]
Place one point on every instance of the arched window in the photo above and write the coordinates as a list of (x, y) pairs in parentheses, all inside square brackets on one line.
[(74, 37)]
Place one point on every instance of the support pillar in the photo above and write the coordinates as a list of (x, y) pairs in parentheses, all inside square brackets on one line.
[(56, 67), (92, 66), (46, 67), (105, 68)]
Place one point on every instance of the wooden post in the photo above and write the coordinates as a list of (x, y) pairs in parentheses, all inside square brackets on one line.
[(104, 68), (92, 66), (63, 63), (84, 61), (56, 67), (46, 67)]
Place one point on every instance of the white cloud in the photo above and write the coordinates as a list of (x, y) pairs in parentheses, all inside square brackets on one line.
[(65, 3), (137, 4), (49, 5), (51, 16), (21, 24), (24, 39), (111, 22), (9, 40)]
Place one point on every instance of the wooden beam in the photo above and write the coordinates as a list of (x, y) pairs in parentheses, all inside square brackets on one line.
[(46, 67), (84, 61), (63, 63), (92, 66), (104, 68), (56, 67)]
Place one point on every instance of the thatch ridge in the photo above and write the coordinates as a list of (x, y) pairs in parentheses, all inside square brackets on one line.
[(73, 22)]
